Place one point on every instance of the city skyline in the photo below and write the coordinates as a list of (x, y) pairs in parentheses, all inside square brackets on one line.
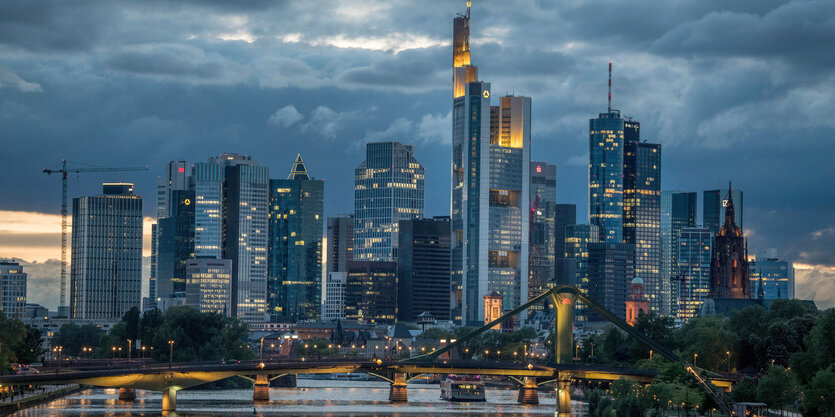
[(803, 239)]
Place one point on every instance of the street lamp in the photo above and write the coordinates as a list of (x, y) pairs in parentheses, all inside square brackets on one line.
[(170, 353), (695, 355), (114, 351), (729, 361), (130, 346)]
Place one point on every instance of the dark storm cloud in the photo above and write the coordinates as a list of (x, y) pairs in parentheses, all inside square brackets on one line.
[(738, 90)]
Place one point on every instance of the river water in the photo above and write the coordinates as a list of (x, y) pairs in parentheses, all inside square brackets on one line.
[(311, 397)]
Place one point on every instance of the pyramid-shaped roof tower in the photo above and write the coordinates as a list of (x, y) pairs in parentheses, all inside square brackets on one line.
[(299, 171)]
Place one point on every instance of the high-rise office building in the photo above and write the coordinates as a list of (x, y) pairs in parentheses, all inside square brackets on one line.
[(106, 272), (388, 187), (295, 246), (177, 177), (209, 285), (564, 215), (578, 237), (729, 261), (334, 306), (175, 243), (12, 289), (606, 147), (611, 269), (678, 211), (771, 277), (371, 292), (543, 197), (642, 213), (714, 205), (208, 210), (150, 302), (340, 242), (245, 213), (692, 284), (490, 189), (423, 269)]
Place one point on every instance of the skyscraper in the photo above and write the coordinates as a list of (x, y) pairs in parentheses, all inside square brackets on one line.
[(729, 261), (611, 269), (245, 204), (490, 189), (564, 215), (371, 292), (606, 175), (208, 210), (388, 187), (578, 237), (106, 274), (423, 269), (295, 246), (678, 212), (12, 289), (340, 253), (715, 203), (175, 235), (642, 213), (543, 199), (692, 283)]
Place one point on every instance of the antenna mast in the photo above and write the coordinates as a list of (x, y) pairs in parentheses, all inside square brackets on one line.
[(467, 28), (610, 81)]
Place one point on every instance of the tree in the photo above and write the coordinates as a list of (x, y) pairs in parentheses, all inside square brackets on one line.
[(803, 364), (781, 342), (745, 390), (709, 338), (654, 326), (778, 388), (12, 337), (200, 336), (148, 325), (132, 324), (31, 348), (72, 338), (821, 339), (819, 399)]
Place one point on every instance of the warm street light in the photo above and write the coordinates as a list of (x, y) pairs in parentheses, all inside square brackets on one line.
[(729, 360), (130, 345), (170, 353), (695, 355)]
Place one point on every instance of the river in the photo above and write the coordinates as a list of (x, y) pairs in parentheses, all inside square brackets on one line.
[(311, 397)]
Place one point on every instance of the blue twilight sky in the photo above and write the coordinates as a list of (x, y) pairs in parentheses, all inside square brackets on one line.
[(739, 91)]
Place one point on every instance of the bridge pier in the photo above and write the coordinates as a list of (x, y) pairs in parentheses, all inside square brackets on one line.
[(397, 392), (563, 388), (169, 399), (528, 393), (261, 390), (127, 394)]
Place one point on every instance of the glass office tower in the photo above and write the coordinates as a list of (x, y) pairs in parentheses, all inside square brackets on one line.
[(543, 199), (606, 137), (714, 204), (578, 237), (295, 246), (771, 278), (693, 281), (388, 187)]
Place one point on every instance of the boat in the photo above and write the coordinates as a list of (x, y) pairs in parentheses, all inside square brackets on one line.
[(463, 388), (349, 377)]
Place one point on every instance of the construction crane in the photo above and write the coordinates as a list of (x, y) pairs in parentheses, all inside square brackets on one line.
[(63, 170)]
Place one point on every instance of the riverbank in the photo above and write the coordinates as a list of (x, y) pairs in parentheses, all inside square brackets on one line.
[(36, 399)]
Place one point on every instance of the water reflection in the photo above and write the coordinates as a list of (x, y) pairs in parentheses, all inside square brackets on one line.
[(320, 397)]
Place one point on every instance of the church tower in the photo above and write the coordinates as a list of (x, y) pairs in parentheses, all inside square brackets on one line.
[(729, 261)]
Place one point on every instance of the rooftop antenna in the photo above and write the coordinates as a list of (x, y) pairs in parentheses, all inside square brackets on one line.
[(610, 80), (467, 28)]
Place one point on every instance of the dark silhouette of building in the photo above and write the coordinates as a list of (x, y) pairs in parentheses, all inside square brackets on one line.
[(423, 257), (611, 268), (729, 262), (371, 292)]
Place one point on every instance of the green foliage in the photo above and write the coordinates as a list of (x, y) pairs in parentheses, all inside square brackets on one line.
[(30, 349), (804, 365), (199, 336), (317, 348), (656, 327), (600, 405), (12, 341), (73, 337), (745, 390), (821, 339), (707, 337), (778, 388), (819, 398)]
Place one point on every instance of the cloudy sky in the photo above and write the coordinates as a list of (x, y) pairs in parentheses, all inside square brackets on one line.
[(739, 91)]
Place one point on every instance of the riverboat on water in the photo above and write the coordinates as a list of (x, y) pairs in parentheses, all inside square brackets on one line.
[(462, 388)]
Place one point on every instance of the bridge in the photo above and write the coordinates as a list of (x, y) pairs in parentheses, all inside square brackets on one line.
[(170, 378)]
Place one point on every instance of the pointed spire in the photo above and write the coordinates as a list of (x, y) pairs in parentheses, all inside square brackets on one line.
[(729, 209), (299, 171)]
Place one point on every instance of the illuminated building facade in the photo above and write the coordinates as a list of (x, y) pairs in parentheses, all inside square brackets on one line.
[(423, 269), (678, 210), (12, 289), (245, 213), (606, 175), (611, 270), (692, 283), (714, 205), (106, 269), (371, 292), (642, 213), (208, 210), (295, 246), (578, 237), (334, 306), (340, 252), (543, 197), (490, 189), (493, 308), (175, 235), (564, 270), (772, 278), (208, 285), (388, 187), (729, 262)]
